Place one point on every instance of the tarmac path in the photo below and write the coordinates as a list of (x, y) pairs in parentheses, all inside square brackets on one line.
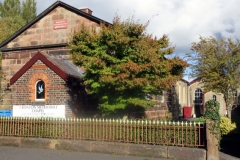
[(15, 153)]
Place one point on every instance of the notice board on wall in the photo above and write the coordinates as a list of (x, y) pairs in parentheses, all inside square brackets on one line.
[(53, 111), (60, 24)]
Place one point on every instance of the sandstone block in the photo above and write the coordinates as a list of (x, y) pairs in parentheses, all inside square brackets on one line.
[(24, 55), (184, 153), (148, 151), (10, 141), (69, 145), (109, 148), (35, 143)]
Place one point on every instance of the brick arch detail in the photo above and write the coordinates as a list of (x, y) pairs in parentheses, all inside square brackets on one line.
[(32, 82)]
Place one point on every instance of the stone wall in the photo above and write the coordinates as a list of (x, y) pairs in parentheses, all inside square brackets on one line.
[(44, 33), (157, 112), (127, 149)]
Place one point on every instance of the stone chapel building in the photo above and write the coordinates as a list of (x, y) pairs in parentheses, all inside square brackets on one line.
[(38, 78)]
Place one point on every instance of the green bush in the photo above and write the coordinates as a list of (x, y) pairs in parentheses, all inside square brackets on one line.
[(200, 119), (226, 126)]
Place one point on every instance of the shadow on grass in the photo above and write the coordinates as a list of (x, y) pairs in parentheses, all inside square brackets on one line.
[(230, 144)]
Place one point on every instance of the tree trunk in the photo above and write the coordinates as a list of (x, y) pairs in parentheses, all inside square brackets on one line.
[(212, 143), (229, 111)]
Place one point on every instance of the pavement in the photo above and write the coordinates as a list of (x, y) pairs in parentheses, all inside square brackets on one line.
[(224, 156), (15, 153)]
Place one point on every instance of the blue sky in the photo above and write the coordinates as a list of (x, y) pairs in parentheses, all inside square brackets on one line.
[(184, 21)]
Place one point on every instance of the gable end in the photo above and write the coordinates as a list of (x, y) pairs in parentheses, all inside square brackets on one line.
[(39, 56), (3, 46)]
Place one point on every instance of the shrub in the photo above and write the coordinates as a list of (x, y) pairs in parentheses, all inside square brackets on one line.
[(226, 126), (200, 119), (169, 115)]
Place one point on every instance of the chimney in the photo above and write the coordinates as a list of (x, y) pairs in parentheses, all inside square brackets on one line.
[(86, 10)]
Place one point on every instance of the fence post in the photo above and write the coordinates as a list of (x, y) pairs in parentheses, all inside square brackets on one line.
[(212, 142)]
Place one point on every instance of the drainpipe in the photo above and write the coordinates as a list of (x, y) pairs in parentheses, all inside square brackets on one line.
[(203, 100), (188, 95)]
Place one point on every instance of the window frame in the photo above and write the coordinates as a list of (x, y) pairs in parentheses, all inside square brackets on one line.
[(40, 99), (198, 95), (214, 97)]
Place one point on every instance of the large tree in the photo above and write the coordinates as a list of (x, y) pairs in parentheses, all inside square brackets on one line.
[(217, 63), (29, 10), (10, 8), (123, 63), (9, 25), (14, 15)]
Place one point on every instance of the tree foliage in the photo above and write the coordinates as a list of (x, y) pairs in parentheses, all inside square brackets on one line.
[(123, 63), (9, 26), (217, 63), (14, 15), (10, 8), (213, 119), (29, 10)]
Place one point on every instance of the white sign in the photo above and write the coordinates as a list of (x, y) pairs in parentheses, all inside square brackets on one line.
[(53, 111), (60, 24)]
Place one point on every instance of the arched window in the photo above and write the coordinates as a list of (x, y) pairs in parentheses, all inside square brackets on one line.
[(40, 90), (198, 96), (214, 97)]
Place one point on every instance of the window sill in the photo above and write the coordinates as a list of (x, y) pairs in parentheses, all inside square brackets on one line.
[(38, 103)]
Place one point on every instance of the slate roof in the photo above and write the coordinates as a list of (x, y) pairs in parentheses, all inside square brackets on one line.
[(195, 80), (185, 81), (61, 66), (48, 10), (65, 65)]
